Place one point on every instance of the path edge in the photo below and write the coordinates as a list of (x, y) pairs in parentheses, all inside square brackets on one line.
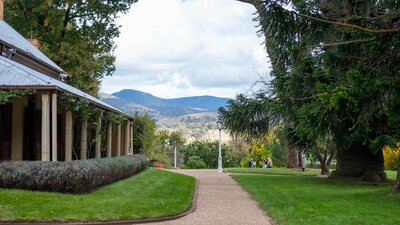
[(272, 221)]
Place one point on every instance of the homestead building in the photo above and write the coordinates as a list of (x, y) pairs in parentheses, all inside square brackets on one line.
[(35, 126)]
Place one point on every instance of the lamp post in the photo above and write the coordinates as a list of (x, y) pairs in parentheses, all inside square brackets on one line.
[(175, 156), (219, 126)]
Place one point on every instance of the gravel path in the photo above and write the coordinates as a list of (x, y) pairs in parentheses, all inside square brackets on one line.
[(220, 201)]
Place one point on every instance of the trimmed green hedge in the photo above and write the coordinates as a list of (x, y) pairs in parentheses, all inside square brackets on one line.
[(69, 177)]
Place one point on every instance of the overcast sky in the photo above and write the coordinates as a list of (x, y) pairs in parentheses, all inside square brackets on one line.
[(175, 48)]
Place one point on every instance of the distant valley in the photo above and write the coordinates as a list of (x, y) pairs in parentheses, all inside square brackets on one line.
[(195, 117), (131, 101)]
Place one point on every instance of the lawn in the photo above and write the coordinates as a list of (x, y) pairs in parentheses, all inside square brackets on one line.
[(152, 193), (315, 200), (276, 171)]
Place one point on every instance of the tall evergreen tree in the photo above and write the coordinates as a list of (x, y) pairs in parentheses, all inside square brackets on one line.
[(335, 70)]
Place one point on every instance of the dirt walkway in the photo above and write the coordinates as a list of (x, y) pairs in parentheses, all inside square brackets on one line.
[(220, 201)]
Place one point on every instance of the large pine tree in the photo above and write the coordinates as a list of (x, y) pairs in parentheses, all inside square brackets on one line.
[(335, 70)]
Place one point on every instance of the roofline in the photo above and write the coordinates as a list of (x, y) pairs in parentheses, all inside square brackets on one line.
[(55, 88), (33, 58)]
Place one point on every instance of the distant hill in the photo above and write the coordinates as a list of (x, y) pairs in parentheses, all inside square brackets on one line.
[(198, 118), (138, 97), (199, 103), (132, 101)]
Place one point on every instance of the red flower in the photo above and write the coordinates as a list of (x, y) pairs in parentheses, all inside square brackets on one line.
[(158, 165)]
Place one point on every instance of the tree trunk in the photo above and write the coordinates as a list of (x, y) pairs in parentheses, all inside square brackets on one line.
[(324, 164), (397, 184), (359, 161), (292, 156), (325, 168), (323, 160)]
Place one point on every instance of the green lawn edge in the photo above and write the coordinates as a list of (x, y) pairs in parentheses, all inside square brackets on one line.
[(293, 199), (152, 193), (275, 171), (391, 175)]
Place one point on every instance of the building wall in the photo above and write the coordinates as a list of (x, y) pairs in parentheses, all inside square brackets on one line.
[(18, 105)]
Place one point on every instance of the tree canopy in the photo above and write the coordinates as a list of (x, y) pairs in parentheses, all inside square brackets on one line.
[(336, 71), (77, 34)]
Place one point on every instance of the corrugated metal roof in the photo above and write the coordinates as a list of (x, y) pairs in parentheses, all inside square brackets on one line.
[(12, 37), (14, 74)]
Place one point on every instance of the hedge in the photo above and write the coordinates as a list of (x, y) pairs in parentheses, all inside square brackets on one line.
[(75, 177)]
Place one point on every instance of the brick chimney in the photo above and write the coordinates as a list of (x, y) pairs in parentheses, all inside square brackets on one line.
[(1, 9), (34, 42)]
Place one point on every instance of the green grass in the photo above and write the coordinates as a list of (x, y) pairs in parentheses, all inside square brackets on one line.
[(152, 193), (391, 175), (275, 171), (314, 200)]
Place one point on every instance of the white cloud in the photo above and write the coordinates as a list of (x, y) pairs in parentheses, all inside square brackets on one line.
[(174, 48)]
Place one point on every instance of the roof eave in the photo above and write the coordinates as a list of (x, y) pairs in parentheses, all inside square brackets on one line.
[(55, 88), (33, 58)]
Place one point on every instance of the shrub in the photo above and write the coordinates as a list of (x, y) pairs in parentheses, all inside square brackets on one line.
[(391, 157), (259, 152), (158, 165), (78, 176), (195, 162), (208, 152), (159, 157)]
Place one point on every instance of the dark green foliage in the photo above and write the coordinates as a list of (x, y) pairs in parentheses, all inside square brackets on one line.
[(208, 152), (278, 154), (78, 35), (143, 133), (163, 147), (335, 74), (195, 162), (70, 177), (114, 118), (6, 95), (247, 117), (75, 104)]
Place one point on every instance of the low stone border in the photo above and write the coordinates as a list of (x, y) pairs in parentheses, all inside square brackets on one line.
[(191, 209)]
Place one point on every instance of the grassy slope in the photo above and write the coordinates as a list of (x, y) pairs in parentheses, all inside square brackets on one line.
[(314, 200), (152, 193)]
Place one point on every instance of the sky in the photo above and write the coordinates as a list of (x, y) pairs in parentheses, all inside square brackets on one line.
[(179, 48)]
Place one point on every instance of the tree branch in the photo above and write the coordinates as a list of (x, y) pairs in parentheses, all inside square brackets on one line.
[(65, 22), (73, 16), (342, 43), (247, 1), (353, 26)]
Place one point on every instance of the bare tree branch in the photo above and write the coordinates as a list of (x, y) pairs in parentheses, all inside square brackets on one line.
[(341, 43), (353, 26)]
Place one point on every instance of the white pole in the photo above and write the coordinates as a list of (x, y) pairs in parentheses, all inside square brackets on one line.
[(175, 157), (220, 170)]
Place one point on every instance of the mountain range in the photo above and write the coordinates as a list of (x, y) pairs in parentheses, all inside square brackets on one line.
[(131, 101)]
